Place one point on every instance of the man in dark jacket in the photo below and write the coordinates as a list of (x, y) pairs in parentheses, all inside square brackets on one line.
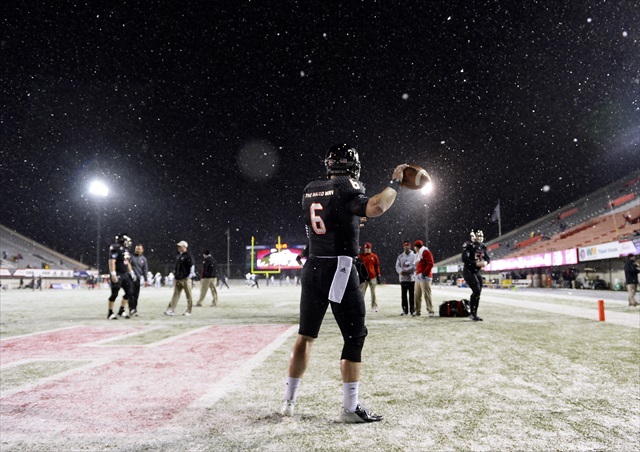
[(631, 270), (209, 277), (184, 271), (140, 268)]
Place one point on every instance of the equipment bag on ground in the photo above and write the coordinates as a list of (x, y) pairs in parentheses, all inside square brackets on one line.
[(454, 308)]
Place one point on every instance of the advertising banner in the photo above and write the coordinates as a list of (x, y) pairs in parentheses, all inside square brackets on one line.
[(630, 247), (609, 250), (552, 259), (44, 273)]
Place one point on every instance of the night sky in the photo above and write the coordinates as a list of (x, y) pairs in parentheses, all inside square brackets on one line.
[(203, 116)]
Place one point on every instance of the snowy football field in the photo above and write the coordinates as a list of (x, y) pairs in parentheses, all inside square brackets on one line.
[(540, 373)]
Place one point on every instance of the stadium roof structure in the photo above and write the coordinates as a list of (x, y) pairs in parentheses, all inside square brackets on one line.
[(609, 215)]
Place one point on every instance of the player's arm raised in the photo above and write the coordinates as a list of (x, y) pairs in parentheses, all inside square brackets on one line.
[(381, 202)]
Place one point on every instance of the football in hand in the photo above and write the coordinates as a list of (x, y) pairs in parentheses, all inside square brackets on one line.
[(415, 177)]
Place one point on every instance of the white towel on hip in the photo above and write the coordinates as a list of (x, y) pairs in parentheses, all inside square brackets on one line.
[(340, 279)]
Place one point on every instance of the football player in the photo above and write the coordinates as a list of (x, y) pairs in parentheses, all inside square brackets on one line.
[(122, 275), (475, 258), (332, 210)]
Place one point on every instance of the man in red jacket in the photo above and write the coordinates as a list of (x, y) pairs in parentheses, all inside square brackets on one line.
[(372, 264), (424, 266)]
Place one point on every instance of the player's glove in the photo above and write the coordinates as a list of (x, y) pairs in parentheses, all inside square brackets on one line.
[(133, 276), (192, 275)]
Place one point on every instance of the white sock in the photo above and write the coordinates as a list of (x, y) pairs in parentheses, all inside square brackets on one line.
[(291, 388), (350, 396)]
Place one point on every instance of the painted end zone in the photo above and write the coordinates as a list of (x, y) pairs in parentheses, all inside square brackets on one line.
[(125, 389)]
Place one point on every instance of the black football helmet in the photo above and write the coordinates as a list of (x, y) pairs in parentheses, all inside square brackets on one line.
[(342, 160), (123, 239), (477, 236)]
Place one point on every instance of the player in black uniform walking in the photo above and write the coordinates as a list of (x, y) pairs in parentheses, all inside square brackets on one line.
[(332, 212), (475, 258), (122, 275)]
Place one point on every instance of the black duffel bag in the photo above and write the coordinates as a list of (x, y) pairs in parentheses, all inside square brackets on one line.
[(454, 308)]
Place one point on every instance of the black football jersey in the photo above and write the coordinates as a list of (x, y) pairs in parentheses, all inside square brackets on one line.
[(472, 253), (332, 212), (122, 257)]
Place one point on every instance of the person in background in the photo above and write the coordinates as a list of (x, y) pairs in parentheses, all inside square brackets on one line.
[(223, 281), (121, 275), (332, 210), (140, 268), (631, 270), (184, 272), (405, 267), (475, 258), (372, 263), (424, 266), (209, 277)]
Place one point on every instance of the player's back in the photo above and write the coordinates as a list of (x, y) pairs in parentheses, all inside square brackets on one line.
[(332, 211)]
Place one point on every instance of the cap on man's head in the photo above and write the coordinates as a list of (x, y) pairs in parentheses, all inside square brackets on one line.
[(367, 245), (418, 243), (206, 252), (406, 242), (183, 243)]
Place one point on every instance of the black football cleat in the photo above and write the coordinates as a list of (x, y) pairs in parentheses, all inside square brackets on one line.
[(359, 416)]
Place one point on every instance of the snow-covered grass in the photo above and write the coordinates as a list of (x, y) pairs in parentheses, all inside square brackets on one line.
[(524, 379)]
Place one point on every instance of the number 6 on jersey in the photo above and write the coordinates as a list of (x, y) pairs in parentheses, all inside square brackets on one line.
[(316, 221)]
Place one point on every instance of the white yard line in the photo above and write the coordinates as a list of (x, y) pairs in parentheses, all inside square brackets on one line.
[(232, 381)]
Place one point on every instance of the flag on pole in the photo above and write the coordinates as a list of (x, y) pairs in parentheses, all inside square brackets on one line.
[(226, 232), (495, 216)]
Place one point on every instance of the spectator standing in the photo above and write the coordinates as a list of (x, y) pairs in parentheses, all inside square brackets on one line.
[(423, 275), (405, 266), (475, 258), (372, 263), (209, 278), (631, 270), (223, 281), (140, 268), (332, 210), (121, 275), (184, 271)]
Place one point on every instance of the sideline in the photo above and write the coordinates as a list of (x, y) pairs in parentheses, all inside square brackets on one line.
[(631, 320)]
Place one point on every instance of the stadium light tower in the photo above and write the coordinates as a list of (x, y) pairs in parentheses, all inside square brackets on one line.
[(426, 190), (99, 191)]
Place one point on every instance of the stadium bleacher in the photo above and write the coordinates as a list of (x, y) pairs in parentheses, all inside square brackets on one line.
[(607, 215), (18, 251)]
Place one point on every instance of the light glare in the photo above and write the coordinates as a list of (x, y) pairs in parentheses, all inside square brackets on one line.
[(97, 188)]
